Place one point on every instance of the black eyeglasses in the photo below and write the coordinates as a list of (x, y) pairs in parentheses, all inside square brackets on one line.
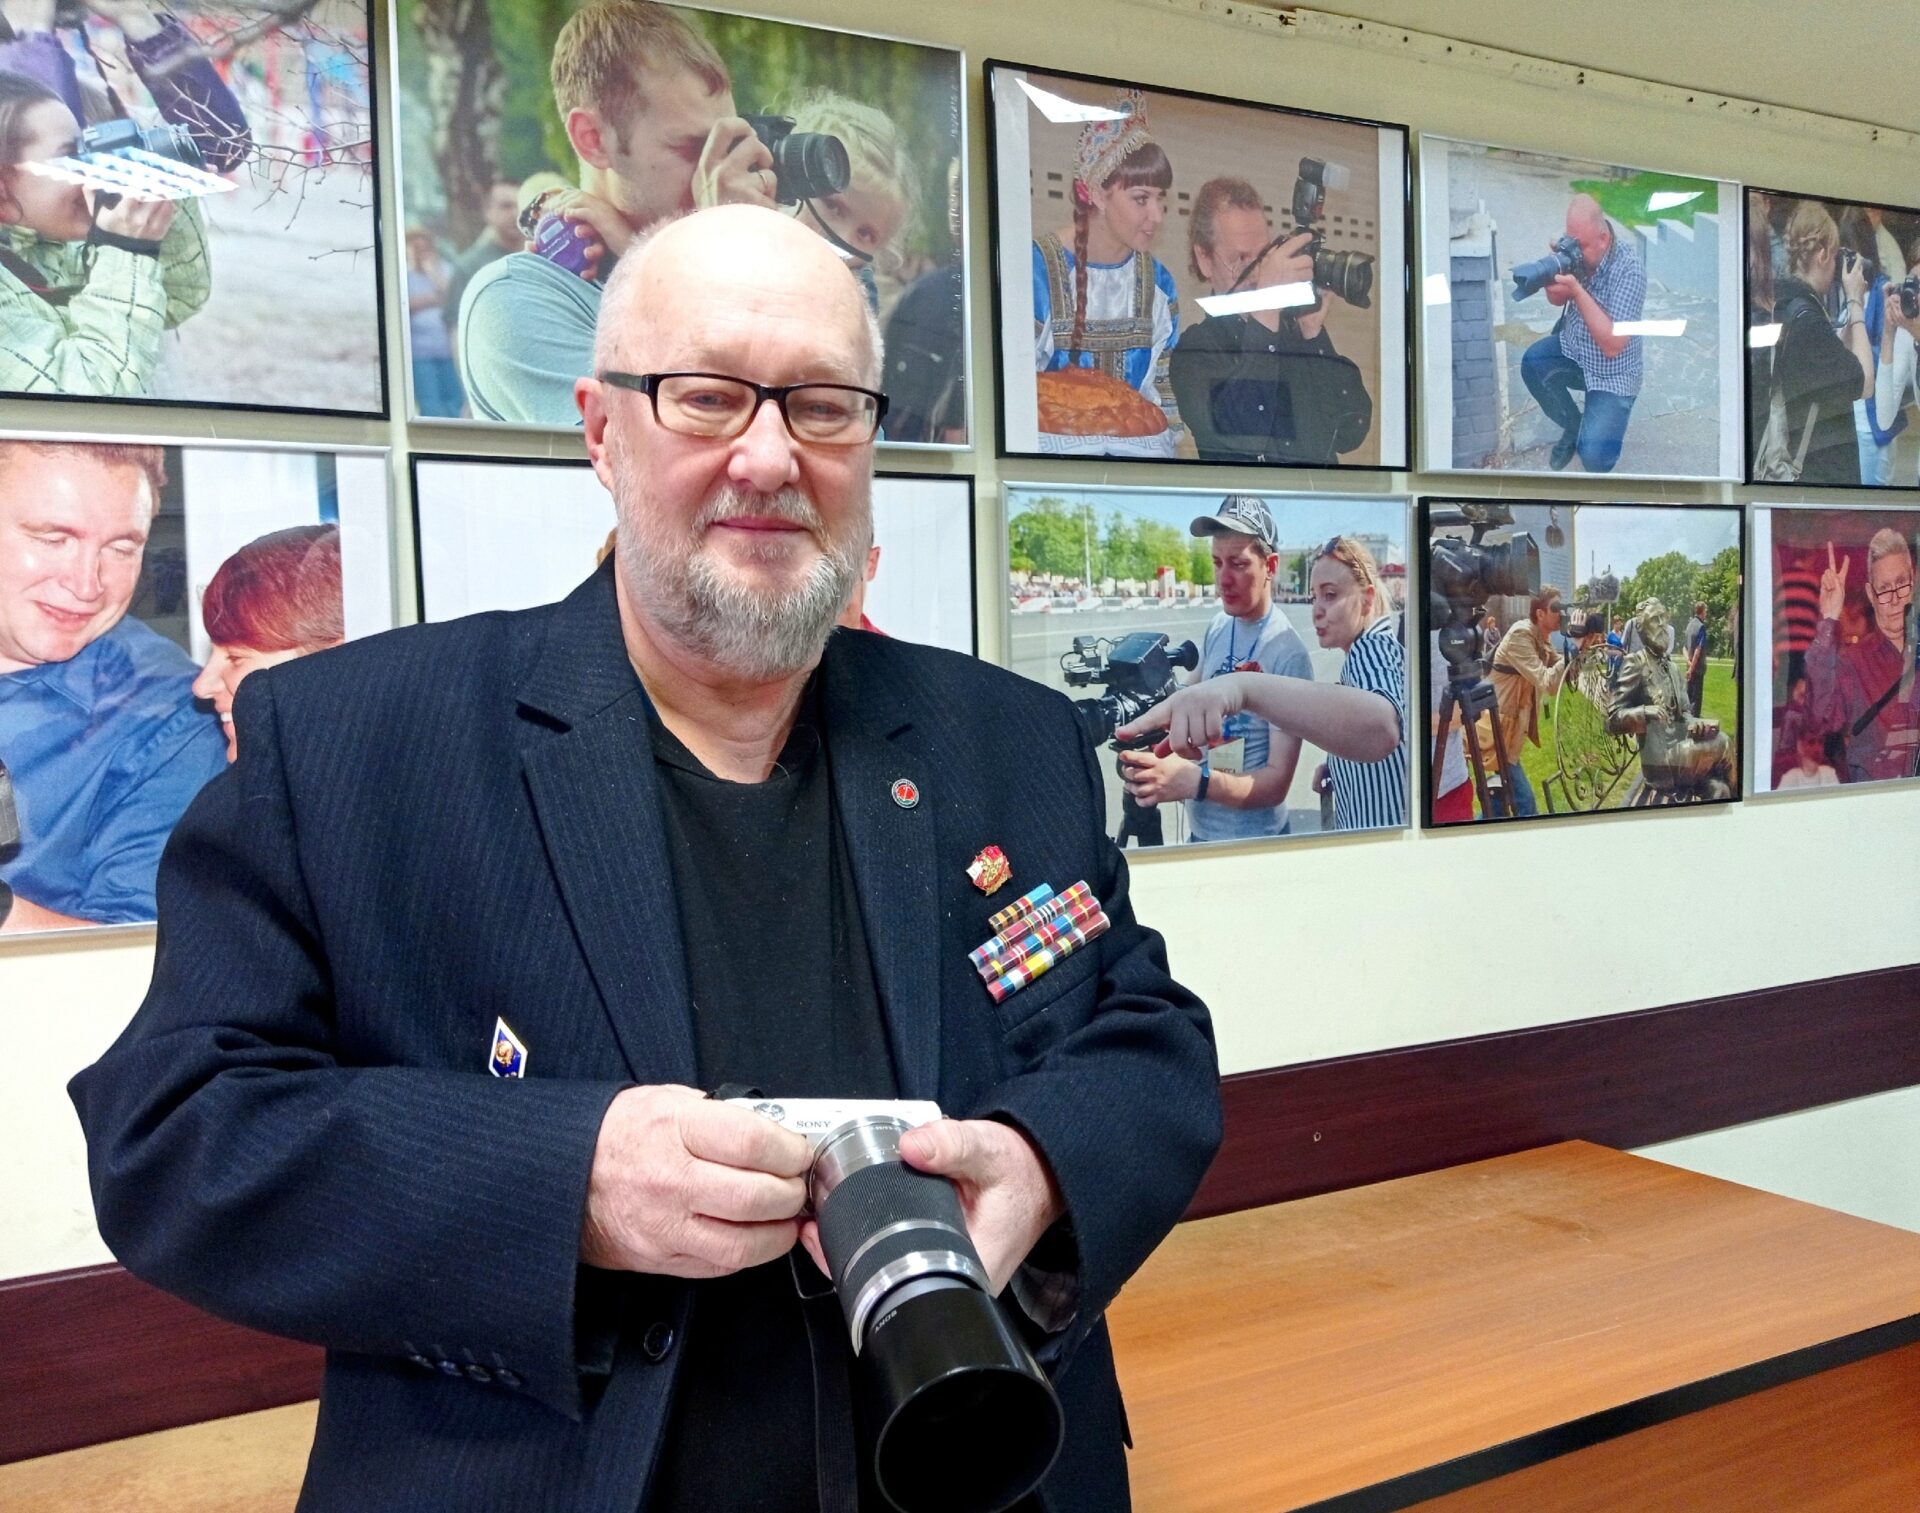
[(719, 406)]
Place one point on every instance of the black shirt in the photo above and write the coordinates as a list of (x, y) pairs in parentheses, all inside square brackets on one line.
[(1817, 371), (1253, 395), (784, 1000)]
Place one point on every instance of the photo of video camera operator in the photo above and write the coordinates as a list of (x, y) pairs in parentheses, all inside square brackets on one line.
[(1238, 790), (1597, 280), (1266, 385), (89, 282)]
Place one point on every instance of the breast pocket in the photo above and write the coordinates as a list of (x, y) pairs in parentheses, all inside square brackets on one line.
[(1055, 1002)]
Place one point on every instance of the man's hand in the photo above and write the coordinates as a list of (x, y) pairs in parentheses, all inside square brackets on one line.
[(687, 1186), (735, 167), (1158, 777), (139, 220), (1007, 1194), (1833, 587), (601, 229), (1194, 717), (1323, 779), (1289, 263), (1561, 288)]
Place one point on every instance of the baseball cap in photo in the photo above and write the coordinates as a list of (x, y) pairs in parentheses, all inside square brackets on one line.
[(1238, 512)]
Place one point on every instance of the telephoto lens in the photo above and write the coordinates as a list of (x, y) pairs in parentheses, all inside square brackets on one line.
[(960, 1417)]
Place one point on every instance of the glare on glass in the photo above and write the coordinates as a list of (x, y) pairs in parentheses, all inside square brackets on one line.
[(720, 406)]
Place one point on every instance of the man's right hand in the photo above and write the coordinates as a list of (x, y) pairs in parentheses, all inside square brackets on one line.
[(138, 220), (1833, 587), (735, 167), (686, 1186)]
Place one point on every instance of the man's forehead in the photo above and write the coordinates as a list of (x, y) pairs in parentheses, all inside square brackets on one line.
[(74, 489)]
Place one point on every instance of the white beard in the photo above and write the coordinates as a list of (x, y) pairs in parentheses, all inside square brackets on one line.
[(702, 604)]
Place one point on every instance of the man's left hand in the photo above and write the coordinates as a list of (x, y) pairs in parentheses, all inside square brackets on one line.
[(1158, 777), (1007, 1194)]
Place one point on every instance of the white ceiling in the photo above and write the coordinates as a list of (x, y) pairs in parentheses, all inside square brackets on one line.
[(1854, 58)]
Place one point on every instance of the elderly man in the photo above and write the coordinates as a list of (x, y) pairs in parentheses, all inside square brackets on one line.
[(1857, 689), (1584, 350), (648, 107), (673, 832), (98, 726)]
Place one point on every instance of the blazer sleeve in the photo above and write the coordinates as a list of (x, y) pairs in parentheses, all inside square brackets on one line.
[(1125, 1107), (238, 1162)]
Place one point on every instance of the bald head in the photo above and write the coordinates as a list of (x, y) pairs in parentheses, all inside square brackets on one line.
[(705, 280), (1587, 225)]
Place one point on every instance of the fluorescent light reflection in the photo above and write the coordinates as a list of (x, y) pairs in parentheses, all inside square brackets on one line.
[(1437, 290), (1064, 112), (1248, 301), (1668, 199), (1649, 327), (1764, 336)]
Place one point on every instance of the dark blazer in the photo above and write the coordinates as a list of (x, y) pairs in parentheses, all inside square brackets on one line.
[(449, 823)]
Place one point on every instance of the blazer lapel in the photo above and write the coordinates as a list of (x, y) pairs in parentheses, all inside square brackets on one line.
[(597, 803), (892, 849)]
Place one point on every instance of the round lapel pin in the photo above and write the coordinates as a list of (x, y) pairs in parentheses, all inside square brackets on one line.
[(906, 793)]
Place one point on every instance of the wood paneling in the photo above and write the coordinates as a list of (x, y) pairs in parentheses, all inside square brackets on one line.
[(1622, 1080), (1366, 1349)]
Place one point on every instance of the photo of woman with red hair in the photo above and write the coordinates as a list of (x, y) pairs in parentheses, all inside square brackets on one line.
[(275, 599)]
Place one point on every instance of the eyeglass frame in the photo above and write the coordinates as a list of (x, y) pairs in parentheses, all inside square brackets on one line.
[(1893, 594), (649, 385)]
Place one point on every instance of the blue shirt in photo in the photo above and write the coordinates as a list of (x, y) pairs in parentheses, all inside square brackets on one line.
[(106, 750)]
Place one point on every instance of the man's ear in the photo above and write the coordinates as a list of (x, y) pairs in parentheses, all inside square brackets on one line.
[(591, 396), (592, 138)]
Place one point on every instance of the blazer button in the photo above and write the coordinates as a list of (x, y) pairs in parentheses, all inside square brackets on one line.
[(451, 1368), (479, 1374), (657, 1341), (507, 1378), (425, 1363)]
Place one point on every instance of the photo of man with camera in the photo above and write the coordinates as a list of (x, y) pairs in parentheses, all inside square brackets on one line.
[(1596, 280), (1266, 385)]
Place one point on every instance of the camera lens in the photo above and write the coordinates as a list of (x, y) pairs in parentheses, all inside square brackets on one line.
[(810, 164), (1347, 274)]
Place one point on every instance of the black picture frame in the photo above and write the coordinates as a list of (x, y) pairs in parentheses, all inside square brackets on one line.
[(1758, 398), (1395, 354), (1430, 768)]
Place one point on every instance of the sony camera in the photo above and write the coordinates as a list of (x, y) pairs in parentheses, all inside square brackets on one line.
[(1463, 575), (1136, 670), (959, 1417), (806, 164), (1530, 278), (1347, 274)]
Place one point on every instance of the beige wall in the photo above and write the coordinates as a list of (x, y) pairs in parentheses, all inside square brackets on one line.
[(1324, 947)]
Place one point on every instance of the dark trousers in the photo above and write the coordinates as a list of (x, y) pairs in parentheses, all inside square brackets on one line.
[(1551, 377)]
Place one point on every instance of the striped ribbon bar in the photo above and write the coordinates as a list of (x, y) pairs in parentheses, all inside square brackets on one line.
[(1074, 907), (1041, 961), (1027, 904)]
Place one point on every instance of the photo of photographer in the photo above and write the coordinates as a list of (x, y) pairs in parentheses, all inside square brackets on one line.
[(139, 585), (1577, 315), (247, 138), (618, 115), (1833, 304), (505, 534), (1839, 706), (1201, 279), (1238, 659), (1593, 696)]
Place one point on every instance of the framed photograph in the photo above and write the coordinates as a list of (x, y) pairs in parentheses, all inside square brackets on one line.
[(192, 208), (1122, 597), (1833, 307), (1180, 277), (1579, 316), (505, 534), (537, 141), (141, 582), (1837, 704), (1580, 658)]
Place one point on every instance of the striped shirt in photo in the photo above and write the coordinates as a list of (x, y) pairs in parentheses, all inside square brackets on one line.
[(1373, 795)]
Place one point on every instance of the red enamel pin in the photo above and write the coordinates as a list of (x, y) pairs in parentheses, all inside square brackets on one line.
[(906, 792), (990, 870)]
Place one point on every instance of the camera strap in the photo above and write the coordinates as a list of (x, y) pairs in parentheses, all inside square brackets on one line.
[(836, 1463), (27, 274)]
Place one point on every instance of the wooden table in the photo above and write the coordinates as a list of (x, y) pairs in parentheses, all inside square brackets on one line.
[(1375, 1348)]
